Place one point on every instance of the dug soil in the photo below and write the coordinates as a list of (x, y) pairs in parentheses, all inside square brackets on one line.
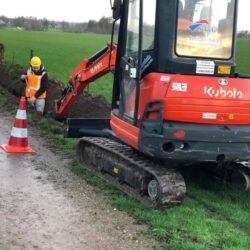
[(43, 205), (87, 105)]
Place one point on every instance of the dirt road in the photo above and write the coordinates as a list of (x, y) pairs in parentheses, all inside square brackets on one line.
[(43, 205)]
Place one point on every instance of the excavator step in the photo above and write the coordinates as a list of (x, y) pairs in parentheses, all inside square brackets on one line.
[(79, 127), (147, 181)]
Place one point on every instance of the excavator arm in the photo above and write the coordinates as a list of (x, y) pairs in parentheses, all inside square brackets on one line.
[(86, 72)]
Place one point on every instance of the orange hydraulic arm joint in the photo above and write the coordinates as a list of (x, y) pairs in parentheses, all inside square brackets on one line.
[(86, 72)]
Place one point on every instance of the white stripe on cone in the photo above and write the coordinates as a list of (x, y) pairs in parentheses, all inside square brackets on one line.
[(19, 132), (21, 114)]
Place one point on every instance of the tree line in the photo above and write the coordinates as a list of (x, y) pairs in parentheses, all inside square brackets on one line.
[(103, 26), (244, 34)]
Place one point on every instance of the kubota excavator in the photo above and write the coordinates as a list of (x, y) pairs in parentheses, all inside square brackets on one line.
[(176, 98)]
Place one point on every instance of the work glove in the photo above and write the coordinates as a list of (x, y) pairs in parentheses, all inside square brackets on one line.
[(32, 101), (23, 77)]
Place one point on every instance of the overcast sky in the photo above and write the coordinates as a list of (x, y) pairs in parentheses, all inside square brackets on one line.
[(84, 10)]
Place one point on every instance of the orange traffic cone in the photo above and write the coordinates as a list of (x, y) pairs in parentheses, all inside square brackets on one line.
[(18, 142)]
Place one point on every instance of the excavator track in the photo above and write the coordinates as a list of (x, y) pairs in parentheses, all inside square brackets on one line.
[(152, 184), (240, 177)]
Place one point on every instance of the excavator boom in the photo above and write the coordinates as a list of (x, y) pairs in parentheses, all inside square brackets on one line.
[(86, 72)]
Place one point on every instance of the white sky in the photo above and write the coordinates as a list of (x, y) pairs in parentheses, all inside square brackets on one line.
[(84, 10)]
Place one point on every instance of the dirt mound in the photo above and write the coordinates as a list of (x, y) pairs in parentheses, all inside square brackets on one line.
[(87, 105), (9, 79)]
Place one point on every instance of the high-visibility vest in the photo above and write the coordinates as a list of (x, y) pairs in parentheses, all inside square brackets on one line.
[(33, 84)]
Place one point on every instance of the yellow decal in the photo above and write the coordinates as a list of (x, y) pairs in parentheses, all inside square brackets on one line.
[(116, 170), (224, 70), (231, 116)]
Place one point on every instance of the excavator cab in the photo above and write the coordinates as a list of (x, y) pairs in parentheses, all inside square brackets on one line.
[(191, 37)]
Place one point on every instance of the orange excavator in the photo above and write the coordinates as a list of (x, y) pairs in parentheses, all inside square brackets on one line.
[(176, 99)]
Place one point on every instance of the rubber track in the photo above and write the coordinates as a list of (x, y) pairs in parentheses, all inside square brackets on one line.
[(171, 184)]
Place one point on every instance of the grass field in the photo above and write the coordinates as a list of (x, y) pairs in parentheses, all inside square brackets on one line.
[(211, 217), (243, 56), (60, 53)]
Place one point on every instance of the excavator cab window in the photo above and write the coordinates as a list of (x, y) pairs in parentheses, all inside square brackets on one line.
[(148, 32), (205, 28), (129, 61)]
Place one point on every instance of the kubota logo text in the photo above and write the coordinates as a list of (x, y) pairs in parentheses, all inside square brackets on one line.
[(96, 68), (223, 93)]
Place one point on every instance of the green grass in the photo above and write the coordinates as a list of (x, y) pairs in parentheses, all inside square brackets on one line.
[(243, 56), (3, 100)]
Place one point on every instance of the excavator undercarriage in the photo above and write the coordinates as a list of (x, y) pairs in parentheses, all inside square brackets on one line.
[(148, 181), (133, 173)]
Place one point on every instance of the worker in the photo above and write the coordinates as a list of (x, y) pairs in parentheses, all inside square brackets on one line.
[(36, 79)]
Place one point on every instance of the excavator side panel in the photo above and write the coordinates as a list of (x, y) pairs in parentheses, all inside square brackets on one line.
[(125, 131)]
